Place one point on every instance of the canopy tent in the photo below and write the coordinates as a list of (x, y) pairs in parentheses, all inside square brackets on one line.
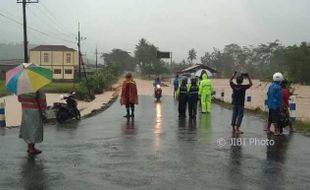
[(194, 68)]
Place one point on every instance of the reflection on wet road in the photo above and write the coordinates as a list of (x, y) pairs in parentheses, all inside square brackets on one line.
[(156, 150)]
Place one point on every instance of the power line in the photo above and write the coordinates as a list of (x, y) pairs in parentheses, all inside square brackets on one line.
[(52, 26), (35, 30), (56, 21)]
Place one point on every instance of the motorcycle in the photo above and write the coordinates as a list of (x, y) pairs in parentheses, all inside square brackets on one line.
[(158, 92), (68, 110)]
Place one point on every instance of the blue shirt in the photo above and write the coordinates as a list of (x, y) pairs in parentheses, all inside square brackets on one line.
[(176, 83), (274, 96)]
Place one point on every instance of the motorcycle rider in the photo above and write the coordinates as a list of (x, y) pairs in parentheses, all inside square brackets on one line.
[(182, 97), (156, 82), (205, 92), (193, 98)]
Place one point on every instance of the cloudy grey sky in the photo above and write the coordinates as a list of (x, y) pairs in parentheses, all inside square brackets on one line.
[(171, 25)]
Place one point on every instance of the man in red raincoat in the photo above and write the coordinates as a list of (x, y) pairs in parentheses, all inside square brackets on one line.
[(129, 95)]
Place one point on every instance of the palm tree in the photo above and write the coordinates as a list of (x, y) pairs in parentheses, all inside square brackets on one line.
[(192, 55)]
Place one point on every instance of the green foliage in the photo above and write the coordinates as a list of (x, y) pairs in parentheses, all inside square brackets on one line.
[(303, 126), (97, 83), (119, 60), (145, 54), (262, 61), (61, 87), (298, 59), (3, 91), (192, 55)]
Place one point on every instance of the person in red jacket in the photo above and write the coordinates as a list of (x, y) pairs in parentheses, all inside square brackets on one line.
[(129, 95), (286, 96)]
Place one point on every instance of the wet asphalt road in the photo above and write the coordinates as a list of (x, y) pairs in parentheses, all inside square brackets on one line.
[(155, 151)]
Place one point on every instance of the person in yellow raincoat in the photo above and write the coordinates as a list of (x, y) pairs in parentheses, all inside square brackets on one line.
[(205, 92)]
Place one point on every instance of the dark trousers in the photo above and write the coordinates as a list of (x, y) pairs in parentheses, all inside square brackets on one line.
[(192, 107), (128, 106), (182, 105), (237, 115)]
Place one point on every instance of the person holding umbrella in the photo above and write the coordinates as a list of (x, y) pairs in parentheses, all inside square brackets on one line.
[(26, 82), (33, 116)]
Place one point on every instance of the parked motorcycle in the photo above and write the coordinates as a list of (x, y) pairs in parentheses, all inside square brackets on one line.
[(158, 92), (68, 110)]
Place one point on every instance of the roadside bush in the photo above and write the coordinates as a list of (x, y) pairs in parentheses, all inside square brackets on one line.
[(97, 83), (3, 91), (61, 87)]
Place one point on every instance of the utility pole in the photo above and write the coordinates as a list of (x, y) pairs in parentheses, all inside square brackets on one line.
[(96, 57), (81, 63), (24, 2), (79, 38)]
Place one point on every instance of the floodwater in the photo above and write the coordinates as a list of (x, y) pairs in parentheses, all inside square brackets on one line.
[(156, 150)]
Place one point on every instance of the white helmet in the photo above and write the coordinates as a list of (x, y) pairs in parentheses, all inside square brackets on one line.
[(277, 77)]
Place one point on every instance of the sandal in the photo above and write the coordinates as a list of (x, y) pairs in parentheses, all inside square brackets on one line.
[(34, 152), (239, 132)]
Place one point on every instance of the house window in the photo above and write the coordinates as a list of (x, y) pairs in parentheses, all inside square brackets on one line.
[(57, 71), (68, 57), (45, 58), (68, 71)]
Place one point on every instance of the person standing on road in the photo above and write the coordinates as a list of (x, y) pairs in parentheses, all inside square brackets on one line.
[(238, 97), (129, 95), (175, 85), (193, 98), (205, 92), (182, 97), (274, 102), (33, 116), (285, 108)]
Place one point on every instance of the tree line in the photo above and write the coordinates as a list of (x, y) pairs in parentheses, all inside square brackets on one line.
[(262, 61), (144, 60)]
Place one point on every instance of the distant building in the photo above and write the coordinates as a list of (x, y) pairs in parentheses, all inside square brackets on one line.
[(63, 61), (194, 68), (8, 64)]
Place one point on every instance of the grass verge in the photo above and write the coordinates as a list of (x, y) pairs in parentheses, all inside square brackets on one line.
[(301, 126), (3, 91), (61, 87)]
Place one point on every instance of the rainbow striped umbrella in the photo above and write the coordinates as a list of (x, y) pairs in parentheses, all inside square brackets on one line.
[(27, 78)]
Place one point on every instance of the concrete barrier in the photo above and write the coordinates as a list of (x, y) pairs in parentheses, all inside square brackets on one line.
[(292, 102), (2, 114)]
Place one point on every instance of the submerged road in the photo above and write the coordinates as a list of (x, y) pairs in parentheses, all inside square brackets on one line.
[(156, 151)]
